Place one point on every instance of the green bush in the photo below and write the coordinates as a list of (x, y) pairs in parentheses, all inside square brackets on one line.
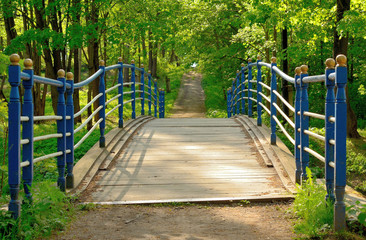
[(314, 212)]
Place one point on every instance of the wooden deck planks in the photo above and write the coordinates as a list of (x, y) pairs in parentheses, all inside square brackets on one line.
[(187, 159)]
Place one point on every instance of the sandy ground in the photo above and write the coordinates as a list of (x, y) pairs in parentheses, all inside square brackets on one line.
[(190, 222)]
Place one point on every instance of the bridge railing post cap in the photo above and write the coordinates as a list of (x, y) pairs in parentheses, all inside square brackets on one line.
[(242, 64), (101, 63), (142, 65), (330, 63), (273, 59), (28, 63), (14, 59), (259, 57), (341, 60), (149, 72), (69, 76), (304, 69), (120, 59), (298, 71), (133, 62), (155, 80), (237, 71), (249, 60), (61, 73)]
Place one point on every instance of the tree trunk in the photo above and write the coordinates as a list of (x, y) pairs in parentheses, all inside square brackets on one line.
[(167, 85), (150, 52), (77, 74), (340, 47), (154, 70), (285, 86)]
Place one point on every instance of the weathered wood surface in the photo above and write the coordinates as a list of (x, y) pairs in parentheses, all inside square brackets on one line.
[(180, 159)]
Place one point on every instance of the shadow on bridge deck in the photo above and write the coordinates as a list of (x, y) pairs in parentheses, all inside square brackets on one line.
[(186, 160)]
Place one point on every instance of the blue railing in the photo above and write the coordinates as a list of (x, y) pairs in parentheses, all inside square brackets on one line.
[(335, 119), (21, 147)]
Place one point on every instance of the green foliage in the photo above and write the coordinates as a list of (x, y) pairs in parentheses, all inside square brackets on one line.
[(49, 211), (214, 97), (316, 214), (359, 210)]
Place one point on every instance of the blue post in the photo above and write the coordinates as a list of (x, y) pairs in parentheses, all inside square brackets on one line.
[(143, 90), (14, 136), (156, 97), (237, 92), (70, 129), (120, 91), (228, 102), (259, 90), (340, 143), (133, 89), (61, 128), (233, 97), (298, 171), (163, 103), (102, 103), (273, 100), (28, 129), (329, 129), (242, 89), (250, 78), (304, 122), (160, 102), (149, 91)]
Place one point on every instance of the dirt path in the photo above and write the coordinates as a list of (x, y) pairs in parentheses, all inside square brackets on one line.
[(191, 98), (192, 222)]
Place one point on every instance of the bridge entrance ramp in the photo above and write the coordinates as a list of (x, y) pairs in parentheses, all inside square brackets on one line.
[(187, 160)]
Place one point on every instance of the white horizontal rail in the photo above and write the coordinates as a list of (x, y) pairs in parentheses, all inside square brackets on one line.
[(88, 105), (284, 130), (112, 88), (46, 118), (24, 118), (314, 115), (87, 134), (284, 115), (332, 119), (252, 90), (332, 164), (265, 108), (24, 164), (284, 101), (332, 141), (24, 141), (139, 98), (283, 75), (317, 136), (88, 119), (56, 154), (127, 92), (127, 83), (112, 99), (107, 114), (265, 85), (49, 136), (131, 100), (265, 97), (315, 154), (253, 99)]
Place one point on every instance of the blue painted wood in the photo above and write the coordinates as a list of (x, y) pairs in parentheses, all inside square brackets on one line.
[(298, 170), (304, 122), (228, 103), (133, 89), (70, 129), (102, 103), (273, 100), (28, 132), (259, 90), (149, 91), (143, 91), (242, 89), (340, 144), (329, 132), (250, 94), (160, 102), (61, 128), (14, 138), (237, 80), (156, 97), (120, 91), (163, 103)]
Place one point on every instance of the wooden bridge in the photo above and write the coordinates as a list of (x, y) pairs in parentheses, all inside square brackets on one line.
[(189, 160), (149, 160)]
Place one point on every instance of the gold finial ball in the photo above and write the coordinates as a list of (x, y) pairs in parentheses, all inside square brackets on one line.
[(298, 71), (142, 65), (61, 73), (119, 59), (14, 59), (101, 63), (341, 60), (273, 59), (133, 61), (28, 63), (242, 65), (155, 80), (330, 63), (149, 72), (304, 69), (249, 60), (237, 71), (259, 57), (69, 76)]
